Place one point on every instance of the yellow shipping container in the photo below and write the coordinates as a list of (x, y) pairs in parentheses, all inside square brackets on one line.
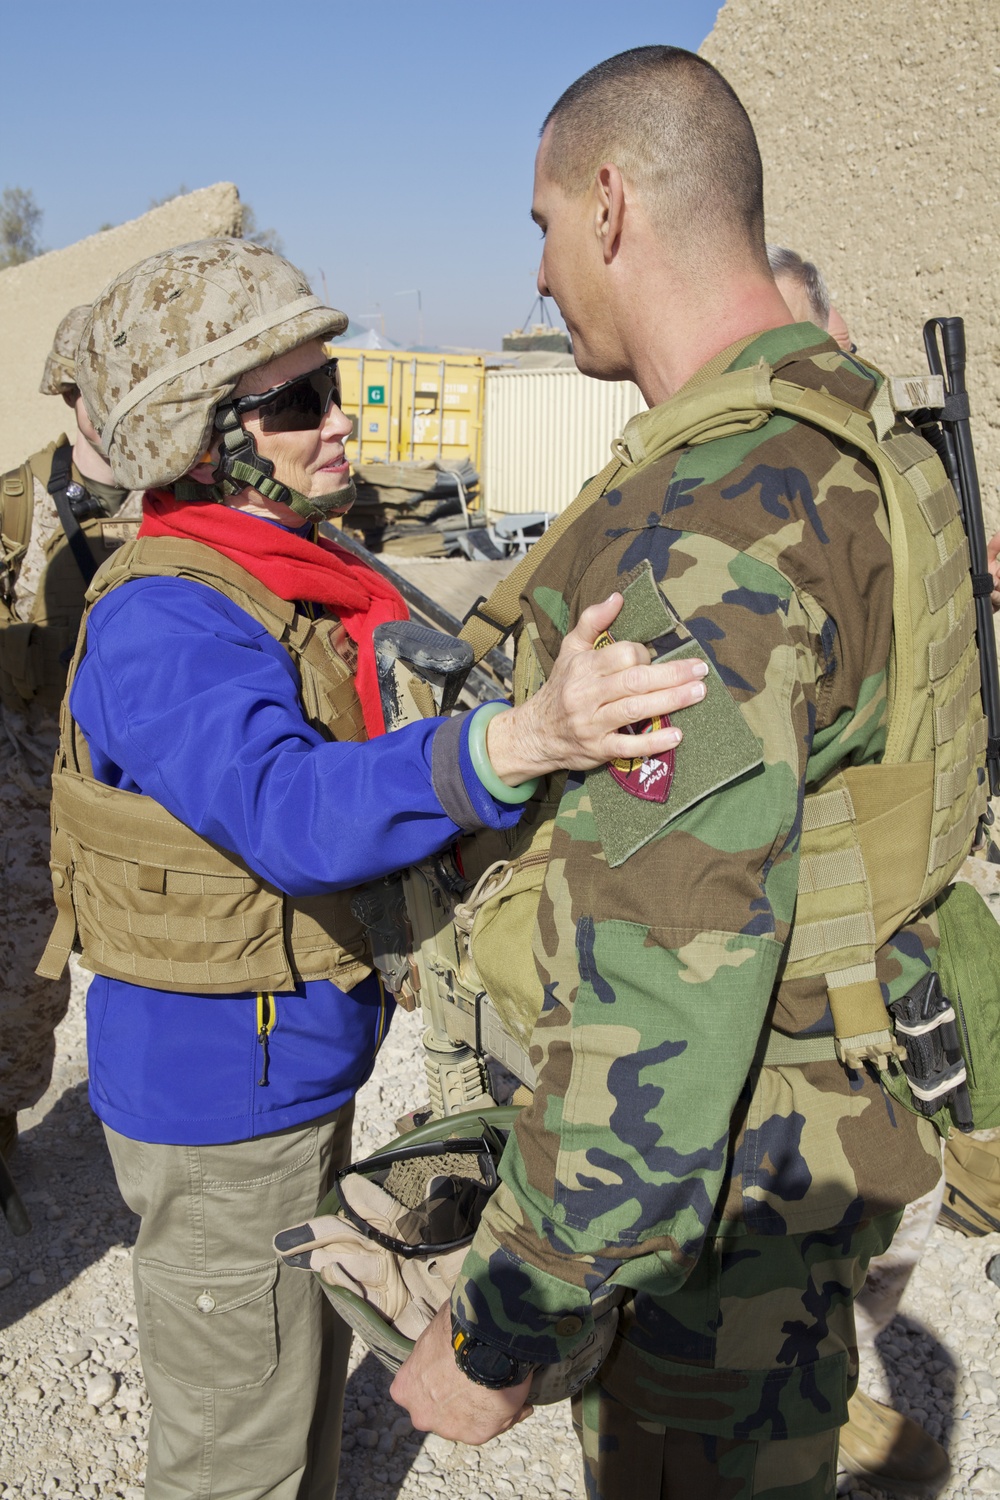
[(408, 406)]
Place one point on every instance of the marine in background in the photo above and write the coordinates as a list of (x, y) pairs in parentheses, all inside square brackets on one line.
[(60, 514), (805, 293)]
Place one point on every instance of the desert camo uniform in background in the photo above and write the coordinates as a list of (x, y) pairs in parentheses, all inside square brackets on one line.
[(693, 1137), (41, 603)]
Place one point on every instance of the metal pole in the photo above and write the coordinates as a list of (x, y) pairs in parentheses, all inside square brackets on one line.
[(361, 406), (441, 409), (390, 366), (413, 403)]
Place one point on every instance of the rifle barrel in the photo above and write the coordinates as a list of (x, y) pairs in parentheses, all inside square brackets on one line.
[(961, 464), (480, 684)]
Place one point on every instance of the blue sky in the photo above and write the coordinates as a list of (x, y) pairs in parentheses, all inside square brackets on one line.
[(389, 143)]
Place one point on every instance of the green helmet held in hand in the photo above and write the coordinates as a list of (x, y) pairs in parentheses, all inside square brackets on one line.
[(164, 349), (388, 1242)]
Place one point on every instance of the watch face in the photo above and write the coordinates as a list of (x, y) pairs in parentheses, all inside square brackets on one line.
[(493, 1367)]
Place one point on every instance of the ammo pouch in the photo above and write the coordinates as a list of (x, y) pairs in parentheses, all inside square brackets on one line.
[(968, 963), (972, 1186), (33, 658), (498, 917)]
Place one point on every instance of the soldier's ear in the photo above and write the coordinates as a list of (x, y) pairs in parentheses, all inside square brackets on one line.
[(610, 209)]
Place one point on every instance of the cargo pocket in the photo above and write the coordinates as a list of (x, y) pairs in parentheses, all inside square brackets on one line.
[(213, 1330)]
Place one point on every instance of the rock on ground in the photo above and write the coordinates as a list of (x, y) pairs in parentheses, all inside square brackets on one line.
[(73, 1410)]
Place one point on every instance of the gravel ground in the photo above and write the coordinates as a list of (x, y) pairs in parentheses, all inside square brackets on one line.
[(73, 1409)]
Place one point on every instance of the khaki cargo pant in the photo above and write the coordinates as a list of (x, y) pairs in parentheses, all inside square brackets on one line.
[(245, 1363), (735, 1386)]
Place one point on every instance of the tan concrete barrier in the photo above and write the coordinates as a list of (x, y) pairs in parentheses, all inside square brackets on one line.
[(34, 296), (878, 126)]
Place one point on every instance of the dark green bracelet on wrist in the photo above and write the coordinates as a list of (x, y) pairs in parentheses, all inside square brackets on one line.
[(482, 765)]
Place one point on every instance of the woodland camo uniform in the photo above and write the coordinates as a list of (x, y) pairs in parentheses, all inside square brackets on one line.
[(739, 1204)]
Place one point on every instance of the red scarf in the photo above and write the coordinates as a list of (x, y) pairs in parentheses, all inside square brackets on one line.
[(293, 568)]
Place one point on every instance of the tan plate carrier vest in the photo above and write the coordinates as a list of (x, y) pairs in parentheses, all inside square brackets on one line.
[(34, 653), (141, 896), (879, 842)]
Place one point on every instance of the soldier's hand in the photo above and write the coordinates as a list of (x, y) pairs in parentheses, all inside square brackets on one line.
[(439, 1398), (574, 722)]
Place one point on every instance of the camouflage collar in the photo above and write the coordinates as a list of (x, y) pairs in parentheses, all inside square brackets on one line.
[(650, 434)]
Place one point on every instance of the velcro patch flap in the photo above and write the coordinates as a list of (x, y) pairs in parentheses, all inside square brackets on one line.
[(718, 744)]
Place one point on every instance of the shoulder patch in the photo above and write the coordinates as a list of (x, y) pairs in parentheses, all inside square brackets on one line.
[(718, 744)]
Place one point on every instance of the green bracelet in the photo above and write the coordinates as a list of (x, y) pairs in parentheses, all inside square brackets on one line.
[(482, 765)]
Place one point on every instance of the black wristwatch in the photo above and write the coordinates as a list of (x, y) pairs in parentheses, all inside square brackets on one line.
[(484, 1364)]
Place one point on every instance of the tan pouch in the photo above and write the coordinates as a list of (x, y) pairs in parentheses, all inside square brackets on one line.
[(498, 920)]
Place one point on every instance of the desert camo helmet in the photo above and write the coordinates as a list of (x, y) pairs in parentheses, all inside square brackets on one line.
[(59, 375), (166, 343)]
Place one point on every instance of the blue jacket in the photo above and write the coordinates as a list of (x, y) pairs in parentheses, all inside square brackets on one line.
[(185, 698)]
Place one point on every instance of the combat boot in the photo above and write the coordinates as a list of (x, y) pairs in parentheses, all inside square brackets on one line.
[(8, 1134), (883, 1446)]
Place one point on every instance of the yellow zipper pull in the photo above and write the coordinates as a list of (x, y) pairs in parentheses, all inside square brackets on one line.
[(267, 1014)]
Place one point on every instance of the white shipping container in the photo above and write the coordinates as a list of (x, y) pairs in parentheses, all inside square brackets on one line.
[(545, 432)]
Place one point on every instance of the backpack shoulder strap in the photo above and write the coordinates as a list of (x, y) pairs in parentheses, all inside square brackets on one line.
[(714, 404), (491, 620)]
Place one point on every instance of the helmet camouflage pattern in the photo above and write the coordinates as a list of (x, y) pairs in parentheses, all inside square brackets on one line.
[(168, 340), (59, 374)]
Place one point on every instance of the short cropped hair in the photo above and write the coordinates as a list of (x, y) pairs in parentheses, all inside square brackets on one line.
[(785, 262), (676, 130)]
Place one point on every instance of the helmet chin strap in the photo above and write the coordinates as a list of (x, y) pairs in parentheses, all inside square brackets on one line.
[(241, 467)]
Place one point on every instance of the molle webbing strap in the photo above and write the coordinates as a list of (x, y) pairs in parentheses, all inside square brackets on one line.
[(940, 585), (944, 655), (953, 713), (823, 809), (832, 935), (904, 449), (716, 402), (938, 508), (243, 334), (950, 785), (792, 1051), (489, 627), (827, 872), (957, 840)]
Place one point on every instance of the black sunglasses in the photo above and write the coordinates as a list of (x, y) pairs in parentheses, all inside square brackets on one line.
[(297, 406)]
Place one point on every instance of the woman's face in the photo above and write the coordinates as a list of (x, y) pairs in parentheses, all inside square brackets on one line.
[(314, 463)]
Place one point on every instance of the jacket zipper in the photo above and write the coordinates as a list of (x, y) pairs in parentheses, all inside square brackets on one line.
[(267, 1014)]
